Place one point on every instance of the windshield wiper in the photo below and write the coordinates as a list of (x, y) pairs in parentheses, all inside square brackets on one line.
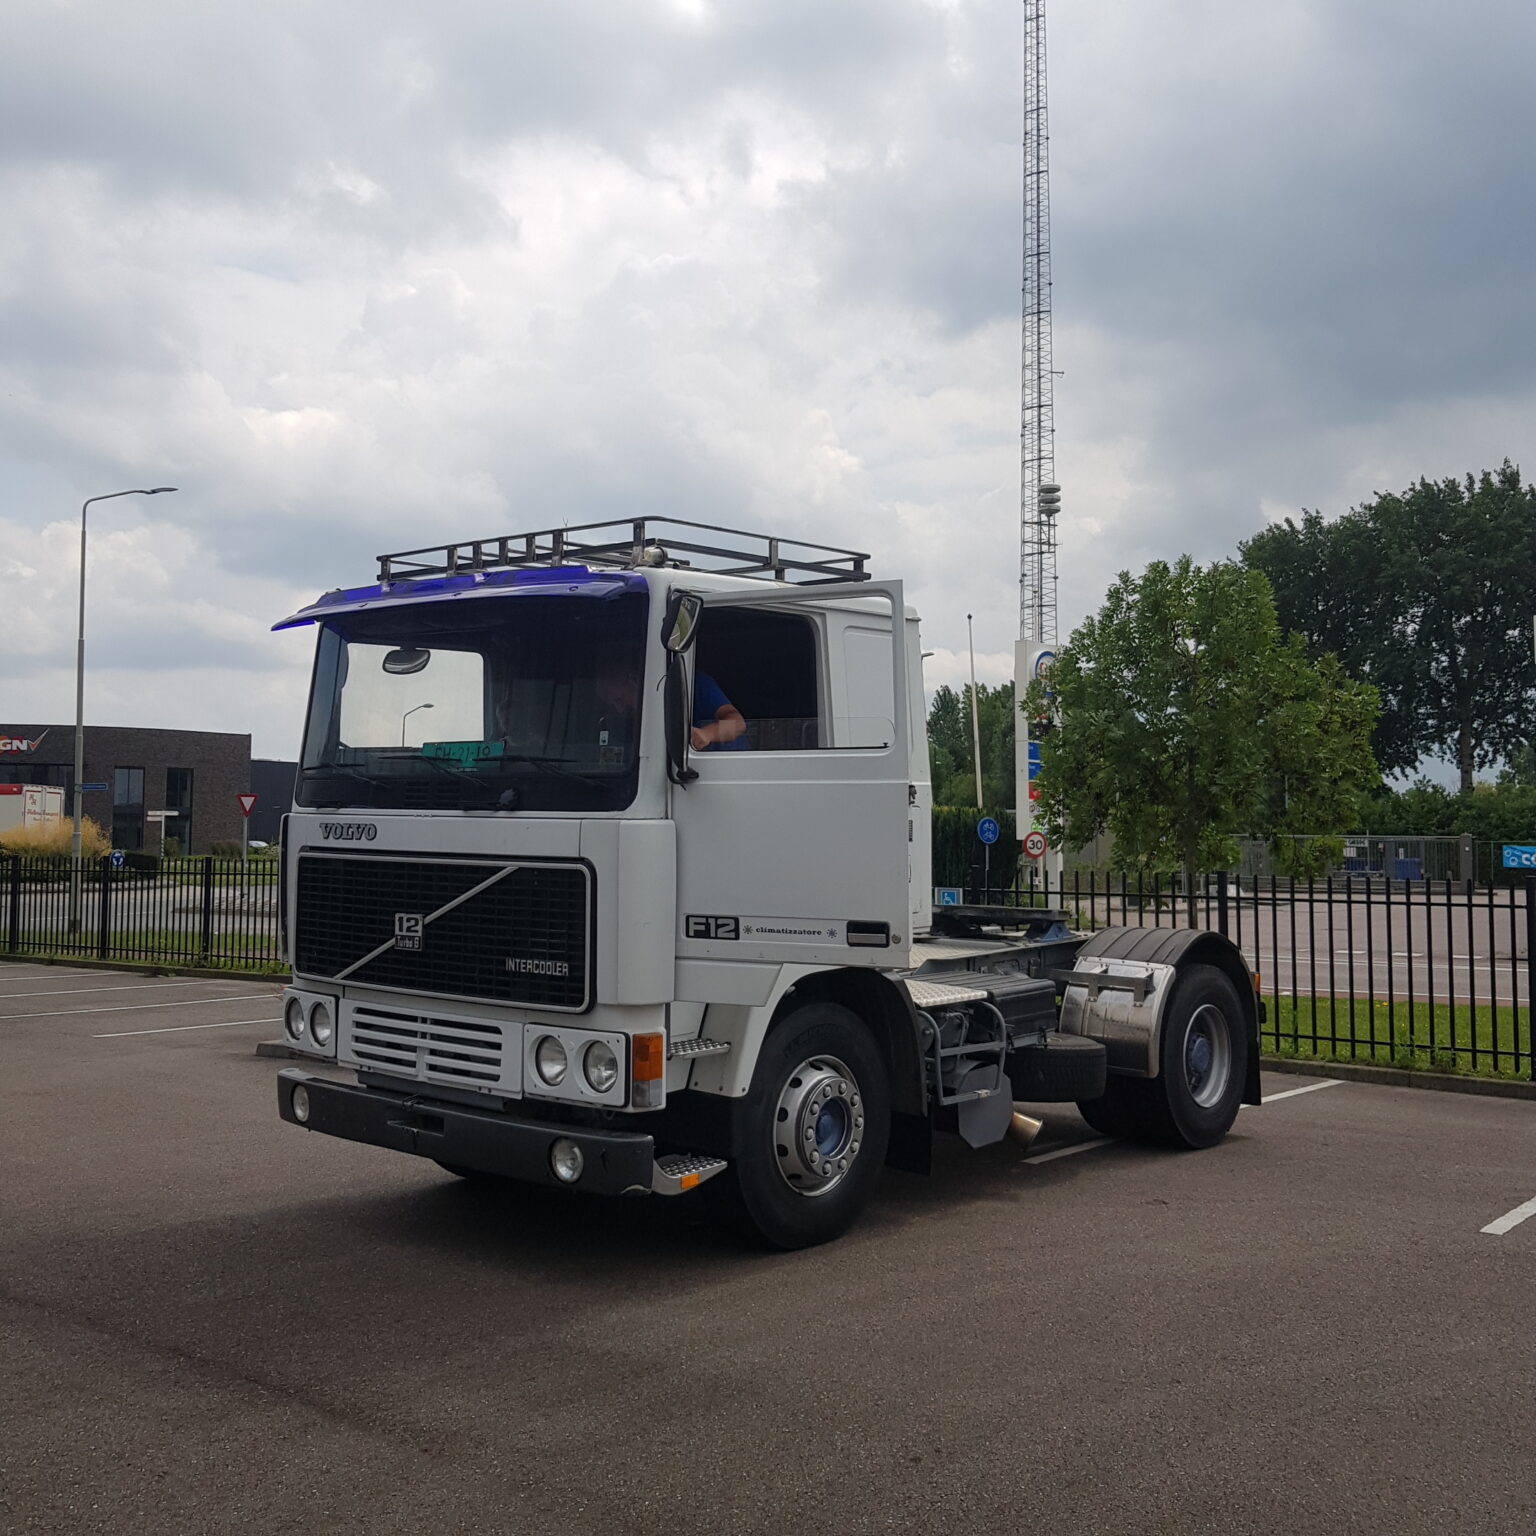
[(552, 764), (340, 770)]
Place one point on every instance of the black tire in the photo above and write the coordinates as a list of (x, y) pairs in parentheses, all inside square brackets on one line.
[(1186, 1109), (1121, 1110), (757, 1197), (1065, 1068), (1179, 1107)]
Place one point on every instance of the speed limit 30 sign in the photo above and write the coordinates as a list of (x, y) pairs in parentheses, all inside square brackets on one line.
[(1034, 845)]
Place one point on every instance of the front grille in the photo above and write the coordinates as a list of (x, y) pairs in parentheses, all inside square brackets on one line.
[(438, 1050), (515, 933)]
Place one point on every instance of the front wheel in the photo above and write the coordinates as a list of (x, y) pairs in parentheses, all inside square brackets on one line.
[(811, 1133)]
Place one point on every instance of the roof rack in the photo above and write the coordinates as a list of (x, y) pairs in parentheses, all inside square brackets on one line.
[(631, 542)]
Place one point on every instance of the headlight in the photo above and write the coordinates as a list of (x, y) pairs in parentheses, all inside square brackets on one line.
[(321, 1023), (566, 1161), (600, 1066), (301, 1103), (293, 1018), (550, 1061)]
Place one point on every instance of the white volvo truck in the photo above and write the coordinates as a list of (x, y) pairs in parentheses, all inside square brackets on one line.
[(610, 868)]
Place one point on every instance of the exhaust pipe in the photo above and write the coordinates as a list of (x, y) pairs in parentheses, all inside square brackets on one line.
[(1024, 1128)]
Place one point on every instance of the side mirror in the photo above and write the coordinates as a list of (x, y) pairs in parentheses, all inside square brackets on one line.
[(681, 626), (407, 659)]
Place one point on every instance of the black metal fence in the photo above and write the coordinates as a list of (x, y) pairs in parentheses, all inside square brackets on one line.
[(188, 911), (1433, 974)]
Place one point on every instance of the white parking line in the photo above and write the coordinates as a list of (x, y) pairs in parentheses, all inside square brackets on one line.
[(175, 1029), (1080, 1146), (1290, 1093), (190, 1002), (1511, 1219), (152, 986)]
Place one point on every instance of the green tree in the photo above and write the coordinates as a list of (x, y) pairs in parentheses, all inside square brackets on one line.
[(1186, 720), (1427, 596), (950, 748)]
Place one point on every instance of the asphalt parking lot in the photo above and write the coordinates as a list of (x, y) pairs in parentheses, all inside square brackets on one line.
[(211, 1321)]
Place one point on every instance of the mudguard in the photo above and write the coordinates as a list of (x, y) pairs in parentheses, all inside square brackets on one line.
[(1119, 987)]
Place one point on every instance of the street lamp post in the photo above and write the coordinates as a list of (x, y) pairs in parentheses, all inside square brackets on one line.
[(406, 716), (74, 842)]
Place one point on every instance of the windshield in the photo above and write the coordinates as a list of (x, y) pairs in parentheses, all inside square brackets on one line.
[(498, 703)]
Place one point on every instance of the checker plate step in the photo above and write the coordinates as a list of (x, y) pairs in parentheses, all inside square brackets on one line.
[(937, 994), (699, 1047), (681, 1171)]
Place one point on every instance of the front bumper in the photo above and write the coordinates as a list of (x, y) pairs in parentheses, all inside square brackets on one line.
[(616, 1162)]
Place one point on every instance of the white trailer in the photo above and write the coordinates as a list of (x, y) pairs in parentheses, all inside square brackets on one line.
[(30, 805), (642, 901)]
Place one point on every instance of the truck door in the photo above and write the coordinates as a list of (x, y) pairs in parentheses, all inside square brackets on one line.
[(793, 847)]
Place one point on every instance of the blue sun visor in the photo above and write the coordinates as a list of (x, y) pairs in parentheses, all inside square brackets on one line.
[(567, 580)]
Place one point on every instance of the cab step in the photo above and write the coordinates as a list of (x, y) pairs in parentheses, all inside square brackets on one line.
[(679, 1172), (699, 1048)]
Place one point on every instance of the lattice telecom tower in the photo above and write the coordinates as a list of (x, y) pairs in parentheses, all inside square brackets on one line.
[(1040, 498)]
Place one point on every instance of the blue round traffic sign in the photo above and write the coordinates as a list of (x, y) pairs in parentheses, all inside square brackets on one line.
[(988, 830)]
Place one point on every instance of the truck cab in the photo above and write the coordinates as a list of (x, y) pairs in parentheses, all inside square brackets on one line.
[(609, 868)]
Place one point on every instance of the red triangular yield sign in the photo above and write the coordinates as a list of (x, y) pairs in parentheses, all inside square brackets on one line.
[(247, 804)]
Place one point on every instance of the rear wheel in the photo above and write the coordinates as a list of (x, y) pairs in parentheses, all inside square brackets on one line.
[(1202, 1065), (1204, 1061), (812, 1132)]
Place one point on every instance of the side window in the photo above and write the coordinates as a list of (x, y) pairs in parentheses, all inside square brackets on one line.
[(765, 665)]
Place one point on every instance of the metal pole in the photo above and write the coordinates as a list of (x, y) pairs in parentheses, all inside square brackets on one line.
[(975, 721), (406, 716), (74, 841)]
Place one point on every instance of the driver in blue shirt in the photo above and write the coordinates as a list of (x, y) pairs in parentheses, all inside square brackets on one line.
[(718, 725)]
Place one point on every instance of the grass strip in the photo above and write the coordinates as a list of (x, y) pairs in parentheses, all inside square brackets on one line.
[(1450, 1038)]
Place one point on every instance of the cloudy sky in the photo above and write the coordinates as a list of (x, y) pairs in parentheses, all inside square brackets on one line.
[(362, 274)]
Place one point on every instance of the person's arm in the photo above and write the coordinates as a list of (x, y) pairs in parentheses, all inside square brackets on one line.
[(727, 725), (724, 721)]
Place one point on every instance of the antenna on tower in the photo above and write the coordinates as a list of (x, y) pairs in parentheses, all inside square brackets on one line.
[(1040, 496)]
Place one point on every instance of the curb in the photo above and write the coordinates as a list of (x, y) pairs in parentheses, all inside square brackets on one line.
[(1399, 1077), (148, 968)]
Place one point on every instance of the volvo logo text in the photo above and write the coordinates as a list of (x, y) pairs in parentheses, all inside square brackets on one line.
[(348, 831)]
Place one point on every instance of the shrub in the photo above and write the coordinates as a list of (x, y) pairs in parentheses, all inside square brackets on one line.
[(172, 848), (55, 839), (224, 848)]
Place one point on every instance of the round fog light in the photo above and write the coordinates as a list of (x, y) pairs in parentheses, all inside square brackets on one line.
[(550, 1062), (301, 1104), (293, 1018), (321, 1024), (566, 1161), (600, 1066)]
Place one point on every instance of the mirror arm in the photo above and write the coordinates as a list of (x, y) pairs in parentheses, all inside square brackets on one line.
[(676, 724)]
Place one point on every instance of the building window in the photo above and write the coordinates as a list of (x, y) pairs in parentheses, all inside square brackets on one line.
[(178, 798), (128, 808)]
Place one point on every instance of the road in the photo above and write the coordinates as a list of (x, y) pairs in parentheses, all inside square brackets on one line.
[(214, 1322)]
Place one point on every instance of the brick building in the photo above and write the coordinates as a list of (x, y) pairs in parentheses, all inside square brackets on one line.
[(130, 772)]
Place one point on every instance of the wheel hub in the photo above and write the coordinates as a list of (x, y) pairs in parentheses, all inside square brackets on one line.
[(1207, 1055), (818, 1125)]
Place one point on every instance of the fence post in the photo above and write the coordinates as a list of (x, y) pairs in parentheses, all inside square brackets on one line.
[(206, 944), (1221, 903), (104, 911), (13, 925), (1530, 974)]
